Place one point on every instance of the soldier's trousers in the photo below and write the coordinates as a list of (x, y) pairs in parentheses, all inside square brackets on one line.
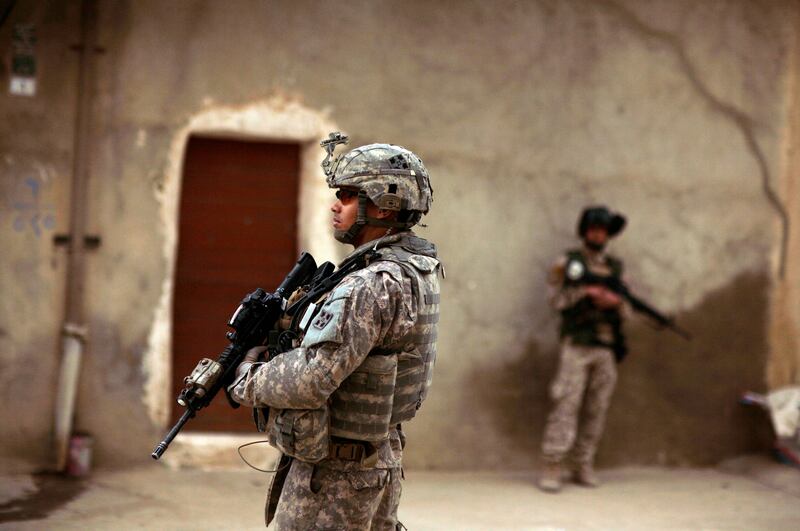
[(320, 498), (586, 377)]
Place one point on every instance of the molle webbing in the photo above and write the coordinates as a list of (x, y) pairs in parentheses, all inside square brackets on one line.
[(359, 430), (428, 319), (362, 406), (415, 366), (431, 298), (359, 382), (376, 408), (391, 384)]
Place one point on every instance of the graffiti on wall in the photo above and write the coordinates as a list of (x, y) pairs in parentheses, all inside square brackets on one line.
[(31, 213)]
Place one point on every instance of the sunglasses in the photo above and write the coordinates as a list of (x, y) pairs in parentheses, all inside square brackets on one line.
[(344, 195)]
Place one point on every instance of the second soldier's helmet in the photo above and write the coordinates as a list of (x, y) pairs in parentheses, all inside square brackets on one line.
[(602, 216)]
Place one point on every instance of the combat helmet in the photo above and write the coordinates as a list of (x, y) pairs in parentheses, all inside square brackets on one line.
[(390, 176), (602, 216)]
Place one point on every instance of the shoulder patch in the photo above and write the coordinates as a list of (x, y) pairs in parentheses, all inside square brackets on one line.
[(327, 325), (322, 320)]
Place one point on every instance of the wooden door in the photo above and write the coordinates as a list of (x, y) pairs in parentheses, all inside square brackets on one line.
[(237, 232)]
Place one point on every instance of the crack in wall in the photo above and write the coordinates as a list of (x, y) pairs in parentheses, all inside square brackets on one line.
[(742, 121)]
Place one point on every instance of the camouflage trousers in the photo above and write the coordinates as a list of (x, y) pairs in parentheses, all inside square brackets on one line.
[(320, 498), (586, 377)]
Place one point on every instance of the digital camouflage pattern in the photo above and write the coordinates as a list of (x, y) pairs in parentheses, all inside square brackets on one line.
[(585, 379), (318, 498), (385, 309), (302, 433), (586, 376), (393, 177)]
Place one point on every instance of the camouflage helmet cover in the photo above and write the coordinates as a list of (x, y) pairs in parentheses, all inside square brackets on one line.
[(393, 177)]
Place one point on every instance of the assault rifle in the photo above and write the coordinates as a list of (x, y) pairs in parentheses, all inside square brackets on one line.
[(577, 273), (252, 323)]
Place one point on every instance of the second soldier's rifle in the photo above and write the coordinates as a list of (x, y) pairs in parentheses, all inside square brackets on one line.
[(586, 277)]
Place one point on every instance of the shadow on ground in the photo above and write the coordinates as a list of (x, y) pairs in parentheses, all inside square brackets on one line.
[(52, 491)]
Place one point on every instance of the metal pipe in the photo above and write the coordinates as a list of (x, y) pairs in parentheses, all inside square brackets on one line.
[(74, 331)]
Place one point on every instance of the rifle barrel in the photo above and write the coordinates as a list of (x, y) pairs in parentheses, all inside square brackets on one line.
[(641, 306), (681, 332), (163, 445)]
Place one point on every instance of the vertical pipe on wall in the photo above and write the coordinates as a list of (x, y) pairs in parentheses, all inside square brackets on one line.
[(73, 331)]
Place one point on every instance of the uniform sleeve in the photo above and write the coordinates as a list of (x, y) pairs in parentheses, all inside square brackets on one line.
[(562, 297), (349, 325)]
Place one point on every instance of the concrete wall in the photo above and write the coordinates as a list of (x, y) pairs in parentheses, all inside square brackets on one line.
[(674, 112), (36, 146), (784, 367)]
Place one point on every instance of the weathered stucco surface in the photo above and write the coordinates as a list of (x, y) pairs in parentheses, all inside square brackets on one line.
[(784, 367), (674, 112), (36, 159)]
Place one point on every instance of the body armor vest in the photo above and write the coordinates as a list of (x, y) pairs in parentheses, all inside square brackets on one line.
[(391, 384), (580, 322)]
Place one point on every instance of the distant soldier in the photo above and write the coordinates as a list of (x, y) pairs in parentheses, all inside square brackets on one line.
[(591, 339), (363, 362)]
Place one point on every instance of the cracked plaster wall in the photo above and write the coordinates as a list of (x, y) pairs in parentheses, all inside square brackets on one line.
[(784, 366), (674, 112)]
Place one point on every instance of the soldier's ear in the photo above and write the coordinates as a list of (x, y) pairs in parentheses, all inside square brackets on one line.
[(384, 213)]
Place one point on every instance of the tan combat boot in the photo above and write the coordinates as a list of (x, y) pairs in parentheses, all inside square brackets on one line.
[(586, 476), (550, 479)]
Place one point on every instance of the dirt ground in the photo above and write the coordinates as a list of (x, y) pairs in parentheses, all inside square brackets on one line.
[(750, 493)]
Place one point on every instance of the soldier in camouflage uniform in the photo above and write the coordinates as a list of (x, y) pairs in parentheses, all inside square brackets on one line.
[(591, 339), (364, 357)]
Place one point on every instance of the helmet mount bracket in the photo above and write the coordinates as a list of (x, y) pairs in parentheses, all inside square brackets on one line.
[(329, 145)]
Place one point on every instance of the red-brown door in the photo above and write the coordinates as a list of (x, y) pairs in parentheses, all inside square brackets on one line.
[(237, 232)]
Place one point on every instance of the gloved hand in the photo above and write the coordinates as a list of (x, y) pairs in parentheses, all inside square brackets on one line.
[(285, 322), (254, 353)]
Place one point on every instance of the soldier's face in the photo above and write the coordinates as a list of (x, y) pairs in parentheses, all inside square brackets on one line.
[(345, 209), (597, 236), (345, 213)]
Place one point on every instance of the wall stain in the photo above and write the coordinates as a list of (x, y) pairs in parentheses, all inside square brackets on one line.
[(515, 394), (53, 491), (676, 402)]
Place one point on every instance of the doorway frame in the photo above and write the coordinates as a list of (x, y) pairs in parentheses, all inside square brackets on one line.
[(273, 120)]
